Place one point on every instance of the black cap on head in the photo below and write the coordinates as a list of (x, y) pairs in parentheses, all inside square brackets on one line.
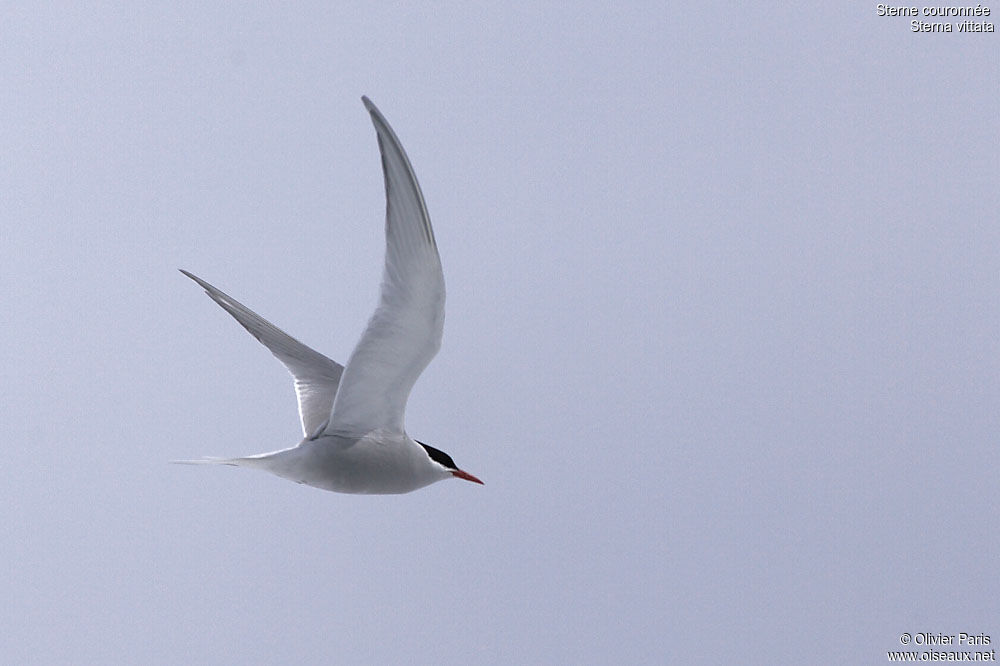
[(438, 456)]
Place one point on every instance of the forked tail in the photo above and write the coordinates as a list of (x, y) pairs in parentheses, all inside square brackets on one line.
[(209, 461), (259, 461)]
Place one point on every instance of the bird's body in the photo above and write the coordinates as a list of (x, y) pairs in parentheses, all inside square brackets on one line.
[(352, 416), (379, 463)]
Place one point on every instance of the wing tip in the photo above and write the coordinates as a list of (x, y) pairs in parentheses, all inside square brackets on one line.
[(382, 127), (373, 110), (209, 289)]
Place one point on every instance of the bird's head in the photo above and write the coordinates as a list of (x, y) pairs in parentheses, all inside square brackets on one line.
[(441, 458)]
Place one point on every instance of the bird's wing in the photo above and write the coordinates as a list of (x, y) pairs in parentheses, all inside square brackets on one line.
[(316, 376), (404, 334)]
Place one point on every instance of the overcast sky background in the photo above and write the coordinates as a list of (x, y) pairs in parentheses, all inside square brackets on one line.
[(722, 332)]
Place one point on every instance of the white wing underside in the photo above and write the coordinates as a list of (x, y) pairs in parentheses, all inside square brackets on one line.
[(405, 332), (316, 376)]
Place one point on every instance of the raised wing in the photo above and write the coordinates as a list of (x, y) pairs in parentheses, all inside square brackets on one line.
[(404, 334), (316, 376)]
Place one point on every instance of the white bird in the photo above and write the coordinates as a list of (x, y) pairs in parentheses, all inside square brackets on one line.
[(352, 417)]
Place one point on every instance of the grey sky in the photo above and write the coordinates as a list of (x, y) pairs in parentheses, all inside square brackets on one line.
[(722, 333)]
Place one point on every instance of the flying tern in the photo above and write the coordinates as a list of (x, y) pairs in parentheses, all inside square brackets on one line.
[(352, 416)]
